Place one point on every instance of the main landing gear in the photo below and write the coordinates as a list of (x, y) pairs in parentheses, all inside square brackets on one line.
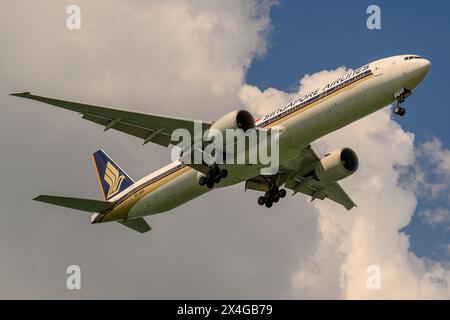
[(272, 196), (213, 176), (401, 96)]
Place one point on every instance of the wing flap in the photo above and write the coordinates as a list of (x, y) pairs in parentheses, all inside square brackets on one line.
[(306, 187), (162, 139), (337, 194)]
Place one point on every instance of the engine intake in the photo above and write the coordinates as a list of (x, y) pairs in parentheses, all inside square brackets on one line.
[(337, 165), (239, 119)]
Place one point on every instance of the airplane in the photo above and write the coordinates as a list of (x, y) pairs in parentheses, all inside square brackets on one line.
[(307, 118)]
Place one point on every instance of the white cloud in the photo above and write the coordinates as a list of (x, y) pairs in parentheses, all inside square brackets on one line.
[(436, 217), (369, 234), (436, 154), (430, 174), (261, 102)]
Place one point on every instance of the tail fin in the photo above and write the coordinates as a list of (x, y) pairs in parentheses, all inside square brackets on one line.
[(111, 177)]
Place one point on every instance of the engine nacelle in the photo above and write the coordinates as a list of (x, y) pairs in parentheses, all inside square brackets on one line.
[(239, 119), (337, 165)]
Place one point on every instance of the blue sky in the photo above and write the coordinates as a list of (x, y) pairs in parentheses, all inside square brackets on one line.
[(308, 37)]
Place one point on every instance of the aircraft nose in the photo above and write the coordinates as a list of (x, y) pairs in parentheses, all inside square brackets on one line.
[(424, 66), (416, 71)]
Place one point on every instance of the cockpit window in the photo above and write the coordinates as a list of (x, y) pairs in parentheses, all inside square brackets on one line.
[(413, 57)]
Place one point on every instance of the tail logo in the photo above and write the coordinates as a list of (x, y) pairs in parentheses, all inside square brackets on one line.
[(113, 178)]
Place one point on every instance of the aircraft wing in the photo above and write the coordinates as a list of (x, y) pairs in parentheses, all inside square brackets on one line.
[(316, 189), (300, 182), (332, 191), (149, 127)]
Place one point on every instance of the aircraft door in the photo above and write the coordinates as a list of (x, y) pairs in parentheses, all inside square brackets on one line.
[(378, 70)]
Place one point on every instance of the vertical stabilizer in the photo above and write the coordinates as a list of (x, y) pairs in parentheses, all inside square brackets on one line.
[(112, 178)]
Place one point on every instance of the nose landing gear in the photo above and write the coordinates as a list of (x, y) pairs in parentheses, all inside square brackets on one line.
[(272, 196), (399, 110), (401, 96)]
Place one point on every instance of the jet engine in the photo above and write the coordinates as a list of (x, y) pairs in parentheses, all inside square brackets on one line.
[(337, 165), (239, 119)]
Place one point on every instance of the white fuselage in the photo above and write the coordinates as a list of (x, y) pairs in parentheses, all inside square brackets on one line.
[(349, 98)]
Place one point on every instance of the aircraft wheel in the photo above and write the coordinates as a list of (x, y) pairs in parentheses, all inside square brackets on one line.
[(261, 200), (217, 179), (224, 173), (400, 110), (202, 181), (268, 203), (215, 171), (268, 195), (282, 193), (210, 184), (276, 198)]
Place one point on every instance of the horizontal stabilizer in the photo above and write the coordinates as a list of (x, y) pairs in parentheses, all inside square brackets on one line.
[(139, 225), (76, 203)]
